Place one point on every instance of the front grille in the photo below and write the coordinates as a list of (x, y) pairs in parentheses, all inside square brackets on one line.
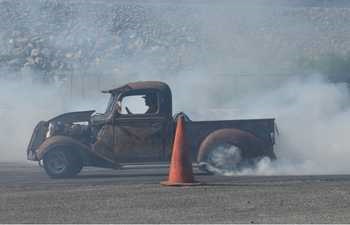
[(37, 138)]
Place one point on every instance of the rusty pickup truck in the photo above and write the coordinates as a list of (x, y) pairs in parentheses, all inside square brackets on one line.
[(129, 133)]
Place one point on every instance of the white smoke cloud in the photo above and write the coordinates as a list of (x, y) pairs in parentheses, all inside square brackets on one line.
[(312, 115), (23, 103)]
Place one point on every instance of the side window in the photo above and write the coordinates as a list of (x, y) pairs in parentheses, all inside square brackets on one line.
[(140, 104)]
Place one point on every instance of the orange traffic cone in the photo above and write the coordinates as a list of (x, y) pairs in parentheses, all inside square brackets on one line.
[(180, 173)]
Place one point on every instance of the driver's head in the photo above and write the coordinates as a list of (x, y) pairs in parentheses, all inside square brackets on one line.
[(150, 99)]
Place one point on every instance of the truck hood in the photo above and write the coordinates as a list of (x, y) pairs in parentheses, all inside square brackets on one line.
[(41, 129), (71, 117)]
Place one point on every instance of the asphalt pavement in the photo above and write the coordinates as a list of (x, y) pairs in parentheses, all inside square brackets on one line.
[(134, 195)]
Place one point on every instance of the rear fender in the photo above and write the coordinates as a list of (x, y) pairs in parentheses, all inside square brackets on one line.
[(249, 143)]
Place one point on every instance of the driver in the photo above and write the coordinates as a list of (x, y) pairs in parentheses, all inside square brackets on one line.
[(151, 102)]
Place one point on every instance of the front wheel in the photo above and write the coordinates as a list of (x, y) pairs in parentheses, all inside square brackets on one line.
[(61, 163)]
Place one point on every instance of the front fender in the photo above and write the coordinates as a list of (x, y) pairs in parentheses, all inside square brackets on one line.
[(59, 141)]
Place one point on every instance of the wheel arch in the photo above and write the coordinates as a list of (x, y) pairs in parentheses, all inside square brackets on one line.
[(62, 142)]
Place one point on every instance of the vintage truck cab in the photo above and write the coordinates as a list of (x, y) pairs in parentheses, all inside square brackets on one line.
[(138, 126)]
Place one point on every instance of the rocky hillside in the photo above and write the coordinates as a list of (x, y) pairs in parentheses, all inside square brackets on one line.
[(54, 38)]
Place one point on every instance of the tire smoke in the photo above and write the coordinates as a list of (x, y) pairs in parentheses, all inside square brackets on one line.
[(313, 119), (203, 50)]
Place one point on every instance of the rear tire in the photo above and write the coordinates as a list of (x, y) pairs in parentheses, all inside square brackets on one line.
[(62, 163), (224, 157), (228, 151)]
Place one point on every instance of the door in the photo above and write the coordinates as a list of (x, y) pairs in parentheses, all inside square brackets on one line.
[(139, 139), (139, 130)]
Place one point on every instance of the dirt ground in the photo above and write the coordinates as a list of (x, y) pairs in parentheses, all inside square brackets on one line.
[(133, 195)]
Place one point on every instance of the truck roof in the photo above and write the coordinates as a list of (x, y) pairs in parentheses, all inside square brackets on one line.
[(158, 85)]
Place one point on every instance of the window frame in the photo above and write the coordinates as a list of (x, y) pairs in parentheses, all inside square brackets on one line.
[(136, 93)]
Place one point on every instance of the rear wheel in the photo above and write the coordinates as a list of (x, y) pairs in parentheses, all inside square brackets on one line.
[(224, 157), (228, 151), (62, 163)]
